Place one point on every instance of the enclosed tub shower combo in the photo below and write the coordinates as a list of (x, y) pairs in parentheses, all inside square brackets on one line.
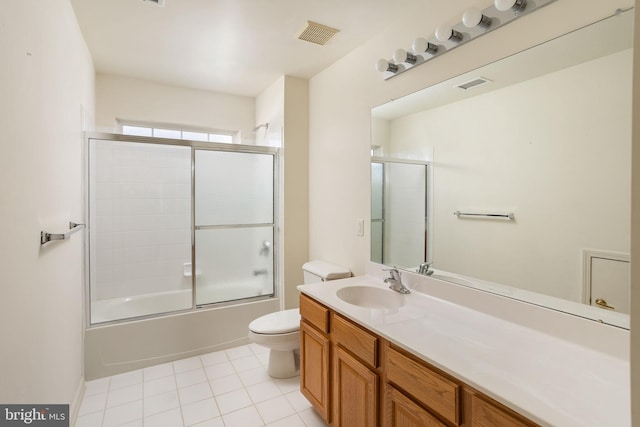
[(175, 226)]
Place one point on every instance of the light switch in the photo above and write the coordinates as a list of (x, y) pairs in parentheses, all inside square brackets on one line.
[(360, 227)]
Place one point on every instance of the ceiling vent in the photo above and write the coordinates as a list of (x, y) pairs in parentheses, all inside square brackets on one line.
[(317, 33), (474, 83), (156, 2)]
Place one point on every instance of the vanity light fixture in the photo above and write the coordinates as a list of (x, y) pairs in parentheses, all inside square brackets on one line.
[(401, 55), (383, 65), (515, 5), (473, 18), (421, 45), (475, 23), (445, 32)]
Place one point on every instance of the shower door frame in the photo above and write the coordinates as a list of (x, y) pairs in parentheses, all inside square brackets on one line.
[(193, 145)]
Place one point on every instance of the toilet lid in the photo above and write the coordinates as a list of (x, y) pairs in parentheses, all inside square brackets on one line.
[(279, 322)]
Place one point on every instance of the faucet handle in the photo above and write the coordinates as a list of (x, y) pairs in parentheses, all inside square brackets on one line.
[(393, 272)]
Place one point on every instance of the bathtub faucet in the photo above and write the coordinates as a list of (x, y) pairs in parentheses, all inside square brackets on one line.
[(424, 269), (396, 282)]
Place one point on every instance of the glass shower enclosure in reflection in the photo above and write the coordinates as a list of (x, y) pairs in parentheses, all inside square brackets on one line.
[(399, 212), (175, 225)]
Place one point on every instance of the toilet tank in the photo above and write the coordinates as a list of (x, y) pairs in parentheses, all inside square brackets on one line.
[(320, 271)]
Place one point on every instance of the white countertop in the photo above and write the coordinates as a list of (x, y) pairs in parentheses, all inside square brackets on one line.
[(552, 381)]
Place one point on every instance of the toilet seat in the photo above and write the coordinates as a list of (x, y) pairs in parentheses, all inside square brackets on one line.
[(279, 322)]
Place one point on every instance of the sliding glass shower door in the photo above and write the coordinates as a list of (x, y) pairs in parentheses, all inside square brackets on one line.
[(234, 225), (175, 225)]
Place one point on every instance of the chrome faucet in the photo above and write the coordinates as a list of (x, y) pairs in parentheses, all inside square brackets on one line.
[(395, 282), (425, 269)]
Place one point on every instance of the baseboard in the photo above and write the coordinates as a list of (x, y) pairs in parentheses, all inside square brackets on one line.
[(74, 406)]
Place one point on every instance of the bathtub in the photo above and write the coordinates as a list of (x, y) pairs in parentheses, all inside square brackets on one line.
[(121, 347), (164, 302)]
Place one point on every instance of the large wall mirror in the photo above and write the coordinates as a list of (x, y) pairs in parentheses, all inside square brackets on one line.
[(536, 148)]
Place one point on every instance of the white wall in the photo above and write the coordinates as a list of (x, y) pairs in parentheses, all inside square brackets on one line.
[(569, 178), (635, 231), (47, 98), (127, 98), (284, 105)]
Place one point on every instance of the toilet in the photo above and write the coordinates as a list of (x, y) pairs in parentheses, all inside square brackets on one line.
[(280, 331)]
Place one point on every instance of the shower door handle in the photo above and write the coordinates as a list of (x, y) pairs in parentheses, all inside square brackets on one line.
[(603, 304)]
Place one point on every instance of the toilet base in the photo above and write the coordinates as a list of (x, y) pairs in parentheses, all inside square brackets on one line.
[(284, 364)]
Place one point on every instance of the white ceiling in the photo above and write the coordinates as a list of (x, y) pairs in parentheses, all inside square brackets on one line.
[(231, 46)]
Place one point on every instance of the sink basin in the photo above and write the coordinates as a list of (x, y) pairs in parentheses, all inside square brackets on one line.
[(370, 297)]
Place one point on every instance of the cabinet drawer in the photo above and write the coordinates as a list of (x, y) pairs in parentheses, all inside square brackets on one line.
[(314, 313), (429, 387), (355, 339), (402, 411), (485, 414)]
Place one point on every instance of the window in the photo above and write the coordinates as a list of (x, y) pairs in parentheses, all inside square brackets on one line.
[(226, 137)]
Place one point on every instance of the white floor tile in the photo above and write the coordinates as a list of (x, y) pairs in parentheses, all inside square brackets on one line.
[(197, 412), (237, 352), (158, 371), (291, 421), (126, 379), (264, 359), (254, 376), (233, 401), (194, 393), (246, 363), (247, 417), (214, 358), (171, 418), (263, 391), (122, 414), (124, 395), (90, 420), (96, 387), (188, 378), (275, 409), (226, 384), (298, 401), (181, 393), (93, 403), (185, 365), (311, 418), (136, 423), (219, 370), (287, 385), (215, 422), (159, 386), (160, 403)]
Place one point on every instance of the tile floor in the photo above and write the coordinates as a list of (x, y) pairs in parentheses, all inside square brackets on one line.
[(228, 388)]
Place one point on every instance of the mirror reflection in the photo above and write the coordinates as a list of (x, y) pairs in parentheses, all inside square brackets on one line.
[(544, 135)]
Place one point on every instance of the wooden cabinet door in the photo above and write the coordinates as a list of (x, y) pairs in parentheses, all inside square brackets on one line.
[(400, 411), (314, 369), (355, 392), (481, 413)]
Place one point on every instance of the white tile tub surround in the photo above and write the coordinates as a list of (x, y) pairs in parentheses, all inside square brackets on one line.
[(226, 388)]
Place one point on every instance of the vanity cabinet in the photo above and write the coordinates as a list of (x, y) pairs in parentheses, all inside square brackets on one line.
[(315, 348), (354, 378)]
